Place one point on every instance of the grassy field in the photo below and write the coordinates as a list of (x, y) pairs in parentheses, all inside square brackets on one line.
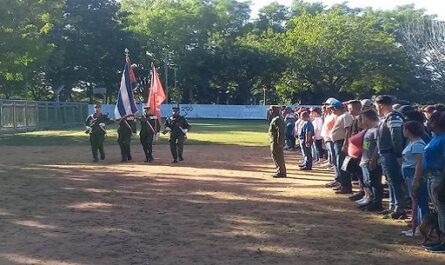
[(232, 132)]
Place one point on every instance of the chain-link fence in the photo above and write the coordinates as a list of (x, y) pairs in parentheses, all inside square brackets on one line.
[(22, 116)]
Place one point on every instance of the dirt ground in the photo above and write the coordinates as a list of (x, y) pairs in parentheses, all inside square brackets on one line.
[(220, 206)]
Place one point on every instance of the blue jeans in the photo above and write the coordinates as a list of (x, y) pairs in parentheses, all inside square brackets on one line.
[(433, 182), (391, 169), (419, 197), (307, 151), (331, 157), (343, 177), (290, 139)]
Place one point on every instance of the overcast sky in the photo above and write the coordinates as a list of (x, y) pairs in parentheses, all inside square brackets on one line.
[(432, 6)]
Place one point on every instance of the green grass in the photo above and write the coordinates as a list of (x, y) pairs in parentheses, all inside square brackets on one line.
[(232, 132)]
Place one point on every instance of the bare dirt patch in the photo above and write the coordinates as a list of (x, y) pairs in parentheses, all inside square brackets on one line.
[(218, 207)]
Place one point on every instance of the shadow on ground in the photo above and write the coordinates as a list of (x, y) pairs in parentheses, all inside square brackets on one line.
[(225, 210)]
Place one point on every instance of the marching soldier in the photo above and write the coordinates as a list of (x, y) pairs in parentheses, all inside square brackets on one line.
[(95, 125), (178, 127), (277, 137), (150, 128), (127, 127)]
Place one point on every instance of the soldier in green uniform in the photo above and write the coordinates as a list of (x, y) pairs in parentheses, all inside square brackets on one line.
[(150, 128), (277, 138), (178, 126), (95, 125), (127, 127)]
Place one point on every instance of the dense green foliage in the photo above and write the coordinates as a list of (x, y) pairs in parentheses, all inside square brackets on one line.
[(214, 51)]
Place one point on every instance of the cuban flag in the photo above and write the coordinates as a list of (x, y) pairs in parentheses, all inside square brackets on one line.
[(125, 99)]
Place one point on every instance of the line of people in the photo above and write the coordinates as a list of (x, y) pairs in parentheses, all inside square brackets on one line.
[(372, 142), (176, 125)]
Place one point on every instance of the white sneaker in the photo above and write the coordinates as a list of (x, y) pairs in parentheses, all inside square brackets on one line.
[(362, 200), (409, 233)]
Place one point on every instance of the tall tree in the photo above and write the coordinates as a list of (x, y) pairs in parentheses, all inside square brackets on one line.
[(89, 47), (23, 49)]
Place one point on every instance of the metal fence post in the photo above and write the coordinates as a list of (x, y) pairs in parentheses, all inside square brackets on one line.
[(1, 114), (14, 125)]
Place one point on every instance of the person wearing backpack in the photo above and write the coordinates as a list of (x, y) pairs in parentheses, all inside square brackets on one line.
[(390, 144)]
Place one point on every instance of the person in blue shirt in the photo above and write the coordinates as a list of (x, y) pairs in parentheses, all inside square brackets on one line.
[(434, 168), (306, 139), (412, 171)]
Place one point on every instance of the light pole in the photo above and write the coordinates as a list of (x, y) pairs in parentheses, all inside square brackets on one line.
[(264, 95), (166, 72)]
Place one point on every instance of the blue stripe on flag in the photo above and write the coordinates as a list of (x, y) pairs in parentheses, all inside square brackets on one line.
[(129, 88)]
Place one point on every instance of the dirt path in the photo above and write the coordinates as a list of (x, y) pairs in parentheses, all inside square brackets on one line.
[(218, 207)]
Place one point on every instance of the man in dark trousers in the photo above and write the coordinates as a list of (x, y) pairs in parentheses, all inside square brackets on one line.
[(126, 128), (95, 125), (178, 127), (390, 144), (277, 138), (150, 128)]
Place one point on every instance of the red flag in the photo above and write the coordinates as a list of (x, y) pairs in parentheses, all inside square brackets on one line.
[(156, 95)]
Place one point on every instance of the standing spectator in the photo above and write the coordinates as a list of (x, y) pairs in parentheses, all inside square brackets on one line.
[(372, 171), (290, 118), (355, 108), (329, 121), (412, 170), (390, 143), (306, 140), (434, 166), (339, 132), (317, 121)]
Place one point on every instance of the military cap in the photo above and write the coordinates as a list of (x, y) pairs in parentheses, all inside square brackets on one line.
[(175, 109), (97, 106)]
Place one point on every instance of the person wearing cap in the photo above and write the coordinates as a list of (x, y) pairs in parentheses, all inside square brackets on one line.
[(95, 124), (277, 138), (178, 127), (390, 144), (127, 127), (367, 104), (150, 128), (340, 130)]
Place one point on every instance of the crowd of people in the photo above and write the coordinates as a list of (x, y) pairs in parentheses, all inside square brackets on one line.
[(382, 148)]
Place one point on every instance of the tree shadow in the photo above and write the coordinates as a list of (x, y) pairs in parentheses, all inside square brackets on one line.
[(79, 214)]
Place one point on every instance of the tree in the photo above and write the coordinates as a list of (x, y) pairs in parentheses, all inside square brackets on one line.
[(23, 49), (89, 44), (336, 54), (273, 16), (425, 42)]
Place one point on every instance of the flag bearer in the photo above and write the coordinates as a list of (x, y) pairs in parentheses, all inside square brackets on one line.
[(150, 128), (127, 127)]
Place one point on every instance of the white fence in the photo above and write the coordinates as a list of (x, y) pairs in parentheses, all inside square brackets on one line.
[(207, 111), (22, 115), (201, 111)]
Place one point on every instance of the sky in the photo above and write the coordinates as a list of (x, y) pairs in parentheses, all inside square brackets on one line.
[(431, 6)]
